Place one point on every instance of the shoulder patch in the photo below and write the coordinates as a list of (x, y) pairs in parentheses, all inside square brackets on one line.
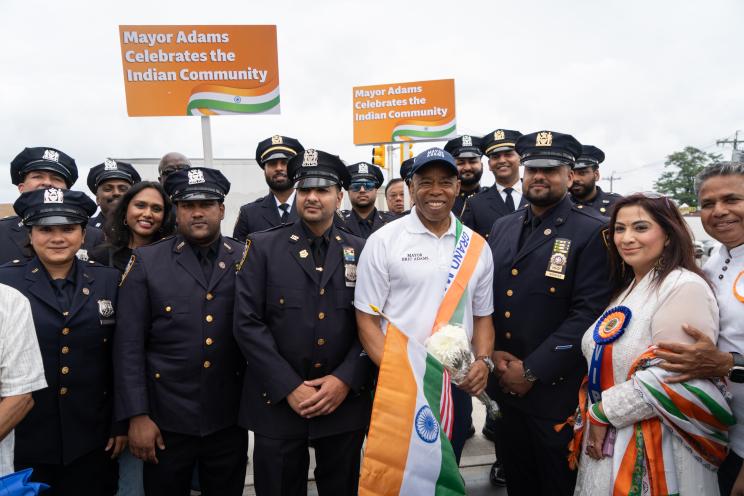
[(132, 259), (239, 265), (605, 233)]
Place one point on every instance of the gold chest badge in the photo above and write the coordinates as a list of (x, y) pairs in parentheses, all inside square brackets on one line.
[(558, 259)]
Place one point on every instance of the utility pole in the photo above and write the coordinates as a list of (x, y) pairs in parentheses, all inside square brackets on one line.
[(736, 142), (612, 180)]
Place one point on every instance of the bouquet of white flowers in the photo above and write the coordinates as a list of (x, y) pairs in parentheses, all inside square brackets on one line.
[(451, 347)]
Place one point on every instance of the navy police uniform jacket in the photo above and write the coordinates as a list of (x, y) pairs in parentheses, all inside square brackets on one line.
[(14, 240), (602, 202), (546, 295), (260, 215), (73, 416), (175, 356), (379, 219), (295, 323), (464, 198), (482, 210)]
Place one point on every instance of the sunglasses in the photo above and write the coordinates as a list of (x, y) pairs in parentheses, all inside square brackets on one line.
[(170, 170), (367, 185)]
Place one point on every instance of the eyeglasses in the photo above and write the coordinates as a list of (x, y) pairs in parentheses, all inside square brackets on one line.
[(175, 168), (653, 195), (367, 185)]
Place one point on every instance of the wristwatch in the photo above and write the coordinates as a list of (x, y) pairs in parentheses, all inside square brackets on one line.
[(529, 375), (736, 373), (489, 363)]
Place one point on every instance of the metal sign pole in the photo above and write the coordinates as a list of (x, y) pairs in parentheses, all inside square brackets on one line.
[(207, 141)]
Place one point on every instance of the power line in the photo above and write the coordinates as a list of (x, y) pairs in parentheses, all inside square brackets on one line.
[(612, 180)]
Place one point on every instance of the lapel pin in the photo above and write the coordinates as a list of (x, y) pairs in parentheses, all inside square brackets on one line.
[(86, 291), (221, 265), (294, 237), (303, 254), (547, 232)]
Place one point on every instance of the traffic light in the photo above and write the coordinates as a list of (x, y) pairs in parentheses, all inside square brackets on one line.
[(378, 156), (406, 151)]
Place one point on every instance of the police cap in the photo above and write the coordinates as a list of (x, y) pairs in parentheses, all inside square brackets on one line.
[(197, 183), (42, 158), (405, 168), (500, 140), (591, 156), (317, 169), (111, 169), (545, 149), (54, 207), (433, 156), (465, 146), (277, 147), (365, 171)]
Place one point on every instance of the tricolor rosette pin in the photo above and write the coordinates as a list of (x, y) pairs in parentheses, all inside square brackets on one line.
[(610, 326)]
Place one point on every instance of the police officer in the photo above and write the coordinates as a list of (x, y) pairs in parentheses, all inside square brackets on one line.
[(109, 181), (467, 153), (363, 219), (307, 378), (68, 437), (178, 368), (550, 283), (584, 190), (39, 168), (272, 155), (505, 196), (405, 170)]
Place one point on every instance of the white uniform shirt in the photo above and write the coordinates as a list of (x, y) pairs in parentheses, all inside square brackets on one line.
[(403, 270), (21, 368), (723, 268), (516, 194), (290, 202)]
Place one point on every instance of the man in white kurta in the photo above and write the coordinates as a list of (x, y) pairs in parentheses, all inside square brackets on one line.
[(403, 270)]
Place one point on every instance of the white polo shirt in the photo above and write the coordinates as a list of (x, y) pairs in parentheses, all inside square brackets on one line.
[(403, 270), (723, 268), (21, 368)]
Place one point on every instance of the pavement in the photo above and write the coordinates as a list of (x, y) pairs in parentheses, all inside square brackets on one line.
[(475, 463)]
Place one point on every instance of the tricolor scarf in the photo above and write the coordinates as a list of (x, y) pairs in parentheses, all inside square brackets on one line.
[(405, 452), (696, 412)]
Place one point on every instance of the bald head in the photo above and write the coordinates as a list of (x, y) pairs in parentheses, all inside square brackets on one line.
[(171, 162)]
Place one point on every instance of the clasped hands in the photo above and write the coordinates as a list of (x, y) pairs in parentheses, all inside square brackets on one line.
[(510, 371), (318, 397)]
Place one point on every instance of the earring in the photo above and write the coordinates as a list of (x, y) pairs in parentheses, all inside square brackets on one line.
[(124, 221)]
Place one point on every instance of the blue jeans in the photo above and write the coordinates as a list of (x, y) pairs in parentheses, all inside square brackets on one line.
[(130, 475)]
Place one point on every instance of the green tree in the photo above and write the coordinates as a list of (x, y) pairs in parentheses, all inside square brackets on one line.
[(678, 181)]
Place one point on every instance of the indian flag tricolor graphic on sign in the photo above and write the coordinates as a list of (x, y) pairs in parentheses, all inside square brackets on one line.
[(423, 130), (211, 99), (408, 451)]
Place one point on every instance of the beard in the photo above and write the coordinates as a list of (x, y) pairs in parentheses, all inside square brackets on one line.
[(582, 190), (471, 180), (550, 197), (280, 183)]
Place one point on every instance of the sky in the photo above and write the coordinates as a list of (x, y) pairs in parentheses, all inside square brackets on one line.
[(638, 79)]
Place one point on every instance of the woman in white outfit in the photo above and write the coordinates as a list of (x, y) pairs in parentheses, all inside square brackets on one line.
[(636, 434)]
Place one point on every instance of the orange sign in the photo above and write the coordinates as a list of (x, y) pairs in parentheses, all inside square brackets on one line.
[(200, 70), (420, 111)]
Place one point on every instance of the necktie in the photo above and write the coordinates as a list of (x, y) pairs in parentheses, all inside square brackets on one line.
[(205, 260), (284, 207), (319, 248), (63, 298), (509, 200)]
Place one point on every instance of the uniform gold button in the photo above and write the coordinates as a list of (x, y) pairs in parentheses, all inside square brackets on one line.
[(507, 314), (268, 402), (66, 331), (207, 364), (157, 375), (210, 296), (579, 206), (321, 315), (507, 335), (168, 309), (105, 340), (263, 395), (603, 210), (515, 272), (65, 370), (281, 301), (209, 318), (62, 391), (552, 289), (209, 341), (65, 350), (509, 292), (322, 291), (317, 365), (321, 342)]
